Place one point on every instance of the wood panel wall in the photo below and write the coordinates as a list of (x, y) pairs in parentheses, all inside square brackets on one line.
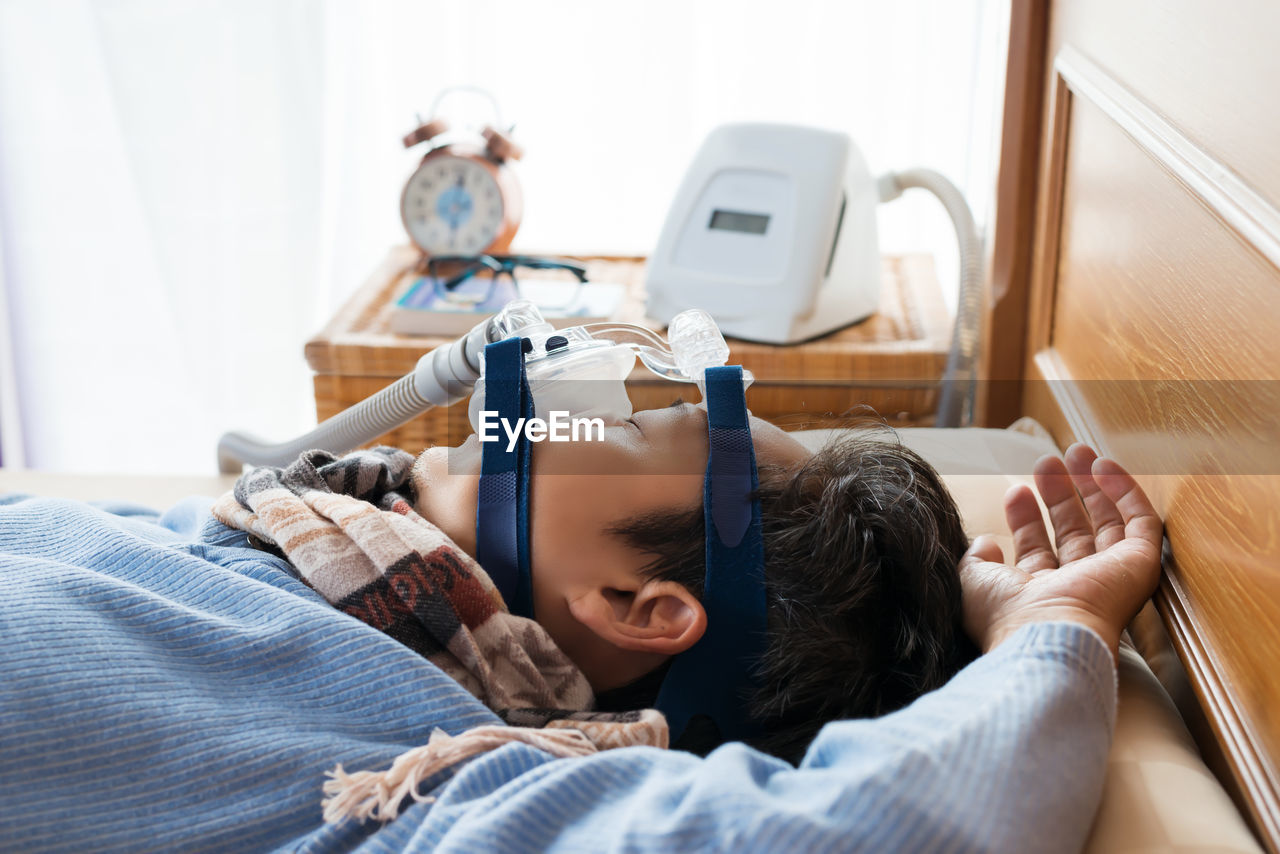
[(1152, 325)]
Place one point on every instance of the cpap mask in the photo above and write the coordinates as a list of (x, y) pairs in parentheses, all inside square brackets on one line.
[(522, 367), (582, 370)]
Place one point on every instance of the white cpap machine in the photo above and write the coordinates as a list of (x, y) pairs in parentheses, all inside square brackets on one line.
[(772, 232)]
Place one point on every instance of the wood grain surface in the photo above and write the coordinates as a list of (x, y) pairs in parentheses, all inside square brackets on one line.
[(1153, 326)]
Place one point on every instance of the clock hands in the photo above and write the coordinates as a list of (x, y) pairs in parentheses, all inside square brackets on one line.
[(454, 205)]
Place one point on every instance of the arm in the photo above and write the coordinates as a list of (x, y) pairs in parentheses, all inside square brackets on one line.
[(1008, 756), (962, 767)]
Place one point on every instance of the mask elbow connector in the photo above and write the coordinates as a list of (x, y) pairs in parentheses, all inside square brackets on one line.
[(696, 344), (447, 374)]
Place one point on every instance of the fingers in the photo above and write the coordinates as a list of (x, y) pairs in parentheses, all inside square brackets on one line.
[(1108, 526), (1141, 522), (983, 548), (1072, 529), (1031, 548)]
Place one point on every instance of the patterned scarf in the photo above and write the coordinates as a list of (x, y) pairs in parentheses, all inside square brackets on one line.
[(349, 532)]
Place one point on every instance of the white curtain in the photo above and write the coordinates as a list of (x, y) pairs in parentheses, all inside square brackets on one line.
[(188, 190)]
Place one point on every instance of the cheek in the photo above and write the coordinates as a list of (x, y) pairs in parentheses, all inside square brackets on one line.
[(568, 541), (569, 509), (571, 516)]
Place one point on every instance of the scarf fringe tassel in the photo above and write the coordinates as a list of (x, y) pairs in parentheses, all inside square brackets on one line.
[(379, 794)]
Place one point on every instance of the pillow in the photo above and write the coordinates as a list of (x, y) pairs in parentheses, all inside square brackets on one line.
[(1159, 795), (978, 465)]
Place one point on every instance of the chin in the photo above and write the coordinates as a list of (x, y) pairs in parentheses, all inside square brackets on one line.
[(424, 467), (445, 494), (436, 465)]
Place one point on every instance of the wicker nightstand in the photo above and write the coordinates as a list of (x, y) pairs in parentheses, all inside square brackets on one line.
[(890, 362)]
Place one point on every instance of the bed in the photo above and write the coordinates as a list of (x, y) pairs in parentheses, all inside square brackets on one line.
[(1135, 299)]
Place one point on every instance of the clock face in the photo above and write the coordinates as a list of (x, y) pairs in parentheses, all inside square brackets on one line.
[(452, 206)]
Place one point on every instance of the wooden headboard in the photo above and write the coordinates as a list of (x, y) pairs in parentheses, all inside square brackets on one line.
[(1135, 305)]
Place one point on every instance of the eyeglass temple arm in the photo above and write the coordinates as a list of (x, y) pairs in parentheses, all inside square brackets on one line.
[(475, 262), (536, 263)]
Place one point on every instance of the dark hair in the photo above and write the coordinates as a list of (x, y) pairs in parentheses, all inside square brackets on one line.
[(861, 542)]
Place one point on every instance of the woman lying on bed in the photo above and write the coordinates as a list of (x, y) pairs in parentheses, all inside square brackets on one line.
[(166, 686)]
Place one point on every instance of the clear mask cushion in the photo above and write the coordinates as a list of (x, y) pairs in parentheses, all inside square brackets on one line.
[(582, 370)]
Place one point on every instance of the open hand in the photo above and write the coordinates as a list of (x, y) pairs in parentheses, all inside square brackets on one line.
[(1107, 562)]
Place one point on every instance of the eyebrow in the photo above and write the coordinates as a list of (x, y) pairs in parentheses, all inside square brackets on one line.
[(679, 401)]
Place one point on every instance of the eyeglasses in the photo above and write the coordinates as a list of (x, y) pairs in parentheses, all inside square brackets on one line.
[(458, 280)]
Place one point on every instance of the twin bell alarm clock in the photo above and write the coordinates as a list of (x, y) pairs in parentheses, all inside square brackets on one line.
[(464, 198), (773, 232)]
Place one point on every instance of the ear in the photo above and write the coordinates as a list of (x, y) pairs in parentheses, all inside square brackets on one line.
[(660, 617)]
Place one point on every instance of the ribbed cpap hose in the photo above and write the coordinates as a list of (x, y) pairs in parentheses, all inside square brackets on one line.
[(395, 404), (442, 377), (960, 379)]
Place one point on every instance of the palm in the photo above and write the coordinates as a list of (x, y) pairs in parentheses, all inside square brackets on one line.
[(1107, 561)]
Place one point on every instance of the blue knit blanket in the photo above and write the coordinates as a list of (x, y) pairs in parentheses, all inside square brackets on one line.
[(161, 680)]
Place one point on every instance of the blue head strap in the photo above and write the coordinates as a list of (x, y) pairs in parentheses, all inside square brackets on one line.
[(502, 508), (712, 677)]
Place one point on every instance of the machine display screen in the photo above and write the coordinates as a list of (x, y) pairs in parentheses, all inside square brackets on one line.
[(747, 223)]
